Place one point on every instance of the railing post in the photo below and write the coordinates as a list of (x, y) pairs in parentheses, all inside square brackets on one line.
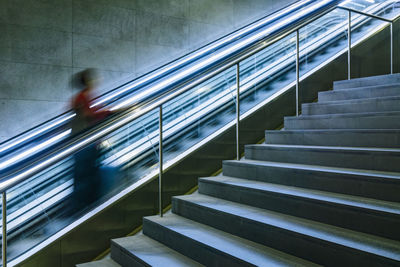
[(349, 48), (391, 48), (297, 71), (4, 240), (237, 111), (160, 159)]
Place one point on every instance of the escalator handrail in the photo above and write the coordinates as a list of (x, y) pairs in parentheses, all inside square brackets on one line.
[(38, 131), (11, 160), (102, 129)]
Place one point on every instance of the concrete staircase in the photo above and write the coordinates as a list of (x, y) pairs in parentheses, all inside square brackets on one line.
[(323, 191)]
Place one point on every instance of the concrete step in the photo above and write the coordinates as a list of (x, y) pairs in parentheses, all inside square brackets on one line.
[(314, 241), (370, 184), (379, 104), (366, 215), (101, 263), (211, 246), (360, 93), (387, 138), (367, 81), (375, 120), (382, 159), (140, 250)]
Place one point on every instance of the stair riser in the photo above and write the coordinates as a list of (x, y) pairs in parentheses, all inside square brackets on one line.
[(125, 259), (368, 81), (369, 92), (356, 185), (345, 138), (370, 160), (364, 122), (358, 219), (197, 251), (306, 247), (369, 106)]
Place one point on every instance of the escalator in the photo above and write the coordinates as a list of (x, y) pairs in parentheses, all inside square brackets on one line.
[(197, 96)]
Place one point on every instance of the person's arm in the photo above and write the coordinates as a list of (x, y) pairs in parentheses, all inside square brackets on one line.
[(82, 106)]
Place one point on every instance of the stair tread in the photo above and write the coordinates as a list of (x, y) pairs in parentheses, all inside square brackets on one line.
[(241, 248), (363, 87), (353, 101), (348, 200), (344, 115), (334, 131), (344, 237), (359, 172), (327, 148), (152, 252), (374, 79), (101, 263)]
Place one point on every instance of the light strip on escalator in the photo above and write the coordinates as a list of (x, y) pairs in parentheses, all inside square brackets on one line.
[(139, 95), (5, 164), (142, 145), (48, 127)]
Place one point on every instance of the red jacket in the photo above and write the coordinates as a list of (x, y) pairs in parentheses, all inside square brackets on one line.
[(86, 116)]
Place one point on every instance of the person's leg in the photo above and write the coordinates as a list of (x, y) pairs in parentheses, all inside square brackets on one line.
[(84, 170)]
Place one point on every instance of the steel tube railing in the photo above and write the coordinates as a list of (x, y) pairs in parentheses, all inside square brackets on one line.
[(126, 117), (4, 232), (297, 71), (364, 13), (156, 74), (349, 47), (160, 159), (391, 47), (237, 111), (350, 10)]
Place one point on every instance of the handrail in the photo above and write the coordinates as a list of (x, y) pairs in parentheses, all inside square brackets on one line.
[(365, 14), (15, 177), (351, 10), (155, 74), (276, 33), (68, 117), (17, 152)]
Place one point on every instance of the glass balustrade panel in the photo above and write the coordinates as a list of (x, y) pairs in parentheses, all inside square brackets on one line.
[(58, 196), (198, 115), (268, 73)]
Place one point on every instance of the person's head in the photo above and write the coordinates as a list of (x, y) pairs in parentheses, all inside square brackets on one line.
[(86, 79), (89, 78)]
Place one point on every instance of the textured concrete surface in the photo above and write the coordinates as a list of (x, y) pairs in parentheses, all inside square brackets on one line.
[(371, 216), (383, 159), (380, 120), (379, 104), (213, 247), (140, 250), (102, 263), (360, 93), (322, 241), (389, 138), (43, 42), (367, 81), (364, 183)]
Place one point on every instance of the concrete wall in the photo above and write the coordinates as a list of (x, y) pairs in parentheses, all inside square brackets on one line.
[(43, 42)]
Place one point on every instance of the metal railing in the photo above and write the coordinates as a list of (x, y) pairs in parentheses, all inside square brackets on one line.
[(350, 10), (134, 112), (153, 76)]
